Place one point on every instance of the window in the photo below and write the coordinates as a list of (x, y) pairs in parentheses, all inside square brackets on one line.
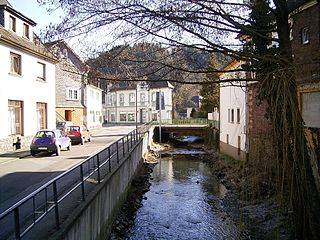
[(92, 116), (26, 30), (97, 96), (229, 119), (131, 99), (72, 94), (41, 71), (114, 100), (15, 63), (310, 109), (154, 97), (142, 98), (232, 115), (305, 35), (12, 23), (113, 117), (15, 119), (238, 115), (131, 117), (41, 115), (121, 99), (123, 117)]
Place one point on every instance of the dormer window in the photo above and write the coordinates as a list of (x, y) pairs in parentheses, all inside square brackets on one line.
[(12, 23), (26, 30), (305, 38)]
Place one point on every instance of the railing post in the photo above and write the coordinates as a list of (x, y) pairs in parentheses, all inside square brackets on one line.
[(98, 163), (109, 158), (55, 199), (128, 142), (82, 183), (117, 152), (17, 223), (123, 150)]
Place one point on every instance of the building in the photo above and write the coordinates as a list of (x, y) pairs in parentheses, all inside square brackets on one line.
[(77, 100), (139, 103), (27, 93), (69, 85), (233, 112), (305, 38), (93, 106)]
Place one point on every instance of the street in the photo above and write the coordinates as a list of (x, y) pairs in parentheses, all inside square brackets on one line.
[(20, 176)]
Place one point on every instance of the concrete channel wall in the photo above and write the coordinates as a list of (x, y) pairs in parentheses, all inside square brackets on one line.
[(93, 218)]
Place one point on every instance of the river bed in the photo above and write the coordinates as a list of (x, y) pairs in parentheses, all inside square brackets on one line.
[(183, 200)]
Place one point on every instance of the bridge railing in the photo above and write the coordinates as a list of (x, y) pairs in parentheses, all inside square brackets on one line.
[(74, 184), (188, 121)]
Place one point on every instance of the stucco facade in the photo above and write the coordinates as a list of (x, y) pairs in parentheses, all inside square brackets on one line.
[(27, 93), (233, 113)]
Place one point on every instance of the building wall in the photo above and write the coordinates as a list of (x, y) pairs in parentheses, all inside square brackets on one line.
[(77, 114), (25, 88), (146, 107), (258, 125), (93, 96), (232, 98), (306, 56), (307, 61)]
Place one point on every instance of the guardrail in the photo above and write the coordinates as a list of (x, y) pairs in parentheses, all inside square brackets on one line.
[(188, 121), (74, 184)]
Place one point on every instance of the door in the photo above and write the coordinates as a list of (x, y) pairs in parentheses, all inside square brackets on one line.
[(68, 115)]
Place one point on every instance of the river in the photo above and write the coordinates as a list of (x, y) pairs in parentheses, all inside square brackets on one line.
[(182, 201)]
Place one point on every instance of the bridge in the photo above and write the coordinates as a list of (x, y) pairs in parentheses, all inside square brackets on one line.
[(183, 127)]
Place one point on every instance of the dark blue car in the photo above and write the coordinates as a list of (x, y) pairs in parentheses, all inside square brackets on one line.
[(51, 141)]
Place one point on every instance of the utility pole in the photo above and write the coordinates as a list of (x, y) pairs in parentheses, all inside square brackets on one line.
[(160, 107), (136, 106)]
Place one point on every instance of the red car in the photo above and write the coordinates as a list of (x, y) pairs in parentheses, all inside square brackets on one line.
[(78, 134)]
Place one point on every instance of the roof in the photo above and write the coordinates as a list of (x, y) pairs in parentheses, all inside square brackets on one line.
[(61, 44), (160, 84), (4, 4), (34, 48)]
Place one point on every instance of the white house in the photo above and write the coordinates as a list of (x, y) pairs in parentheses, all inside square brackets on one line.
[(233, 112), (27, 77), (93, 103), (139, 103)]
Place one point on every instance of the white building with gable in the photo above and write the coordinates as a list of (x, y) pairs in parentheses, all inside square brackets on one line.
[(233, 112), (27, 77)]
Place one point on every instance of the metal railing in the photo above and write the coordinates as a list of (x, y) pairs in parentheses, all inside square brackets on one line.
[(189, 121), (74, 184)]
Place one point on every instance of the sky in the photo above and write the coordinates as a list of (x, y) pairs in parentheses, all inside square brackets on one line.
[(32, 10)]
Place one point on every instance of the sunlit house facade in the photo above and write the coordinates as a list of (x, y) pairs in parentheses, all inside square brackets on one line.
[(27, 93)]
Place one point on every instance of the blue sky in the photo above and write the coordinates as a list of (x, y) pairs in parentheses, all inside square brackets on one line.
[(32, 10)]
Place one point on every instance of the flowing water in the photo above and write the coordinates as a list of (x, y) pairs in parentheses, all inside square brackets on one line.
[(183, 202)]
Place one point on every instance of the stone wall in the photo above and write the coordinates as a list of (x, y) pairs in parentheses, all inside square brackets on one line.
[(6, 144)]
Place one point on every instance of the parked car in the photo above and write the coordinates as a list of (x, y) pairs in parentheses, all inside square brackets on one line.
[(51, 141), (78, 134), (64, 125)]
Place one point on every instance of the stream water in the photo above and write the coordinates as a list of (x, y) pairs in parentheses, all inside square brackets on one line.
[(183, 202)]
